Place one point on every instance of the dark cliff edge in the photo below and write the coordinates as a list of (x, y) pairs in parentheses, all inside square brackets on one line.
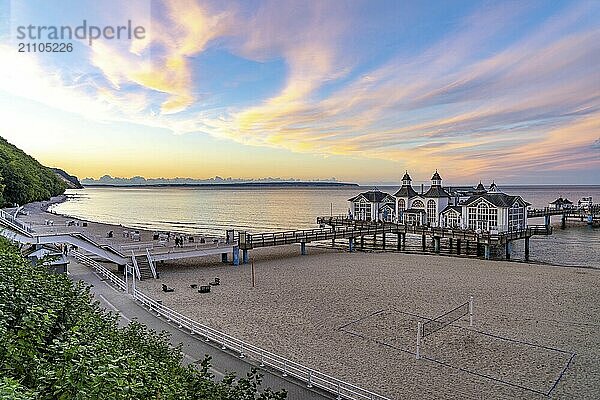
[(71, 181)]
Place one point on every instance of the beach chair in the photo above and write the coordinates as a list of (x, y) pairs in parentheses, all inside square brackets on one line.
[(204, 289), (216, 282), (193, 286), (167, 289)]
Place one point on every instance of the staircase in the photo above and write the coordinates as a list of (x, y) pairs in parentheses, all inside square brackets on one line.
[(144, 267)]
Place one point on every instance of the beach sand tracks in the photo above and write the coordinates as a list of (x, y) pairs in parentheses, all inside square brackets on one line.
[(527, 366)]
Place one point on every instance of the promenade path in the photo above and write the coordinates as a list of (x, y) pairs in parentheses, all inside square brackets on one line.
[(193, 348)]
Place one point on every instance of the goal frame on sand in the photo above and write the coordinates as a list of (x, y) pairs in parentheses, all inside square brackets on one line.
[(421, 336)]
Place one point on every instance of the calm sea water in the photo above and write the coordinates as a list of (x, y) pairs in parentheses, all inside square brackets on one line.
[(213, 210)]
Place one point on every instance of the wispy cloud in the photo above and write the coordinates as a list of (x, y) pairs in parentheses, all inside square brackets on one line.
[(546, 82), (478, 99)]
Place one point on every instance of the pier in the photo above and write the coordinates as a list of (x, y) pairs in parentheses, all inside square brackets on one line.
[(459, 241), (378, 234), (350, 233), (143, 256), (589, 215)]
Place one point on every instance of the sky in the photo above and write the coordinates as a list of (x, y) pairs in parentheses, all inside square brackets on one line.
[(357, 90)]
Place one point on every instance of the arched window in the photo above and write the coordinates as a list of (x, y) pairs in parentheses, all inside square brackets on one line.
[(483, 216), (451, 219), (418, 204), (401, 205), (431, 212)]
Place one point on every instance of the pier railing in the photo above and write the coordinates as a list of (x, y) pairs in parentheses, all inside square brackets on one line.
[(101, 269), (308, 235), (12, 220), (264, 358), (260, 356), (363, 227), (571, 211)]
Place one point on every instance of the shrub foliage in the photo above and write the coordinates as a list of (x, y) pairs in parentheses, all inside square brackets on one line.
[(56, 342)]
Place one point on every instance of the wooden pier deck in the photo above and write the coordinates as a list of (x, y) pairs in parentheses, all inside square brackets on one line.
[(457, 239), (252, 241), (589, 214), (450, 233)]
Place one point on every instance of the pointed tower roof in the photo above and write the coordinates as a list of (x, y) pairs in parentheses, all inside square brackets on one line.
[(436, 176), (494, 188), (480, 187), (406, 190)]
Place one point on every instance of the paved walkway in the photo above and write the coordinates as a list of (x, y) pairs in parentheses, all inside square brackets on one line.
[(194, 349)]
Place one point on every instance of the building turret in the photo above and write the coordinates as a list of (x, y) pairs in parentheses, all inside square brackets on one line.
[(494, 188), (406, 180), (480, 189), (436, 179), (406, 190)]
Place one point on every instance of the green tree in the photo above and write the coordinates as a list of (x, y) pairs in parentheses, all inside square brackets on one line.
[(23, 178)]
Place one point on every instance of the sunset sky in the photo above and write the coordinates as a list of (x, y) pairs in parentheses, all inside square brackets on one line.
[(358, 90)]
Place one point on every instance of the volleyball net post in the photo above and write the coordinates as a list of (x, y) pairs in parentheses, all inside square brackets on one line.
[(470, 310), (419, 334)]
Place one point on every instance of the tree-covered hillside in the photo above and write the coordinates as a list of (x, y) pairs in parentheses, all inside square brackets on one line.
[(23, 179)]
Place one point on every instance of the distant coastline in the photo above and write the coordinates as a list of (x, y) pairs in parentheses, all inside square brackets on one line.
[(229, 185)]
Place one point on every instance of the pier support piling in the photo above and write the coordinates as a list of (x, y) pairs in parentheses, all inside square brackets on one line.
[(458, 246), (224, 257), (404, 241), (362, 242), (236, 255), (450, 243), (508, 248), (563, 221), (467, 248), (245, 256), (383, 240), (547, 220), (487, 251), (399, 244), (351, 245), (436, 244), (303, 248), (424, 242), (526, 249)]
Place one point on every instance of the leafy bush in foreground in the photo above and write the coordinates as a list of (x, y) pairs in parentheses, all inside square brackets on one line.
[(57, 343)]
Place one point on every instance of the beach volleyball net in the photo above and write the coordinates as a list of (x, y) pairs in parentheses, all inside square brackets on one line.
[(430, 327)]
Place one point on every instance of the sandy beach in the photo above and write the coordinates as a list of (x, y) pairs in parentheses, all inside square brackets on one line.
[(354, 316), (300, 303)]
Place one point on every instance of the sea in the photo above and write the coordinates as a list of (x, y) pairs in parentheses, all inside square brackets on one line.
[(211, 210)]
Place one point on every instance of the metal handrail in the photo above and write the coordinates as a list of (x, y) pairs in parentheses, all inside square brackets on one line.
[(12, 220), (151, 263), (288, 367), (101, 269), (135, 265)]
